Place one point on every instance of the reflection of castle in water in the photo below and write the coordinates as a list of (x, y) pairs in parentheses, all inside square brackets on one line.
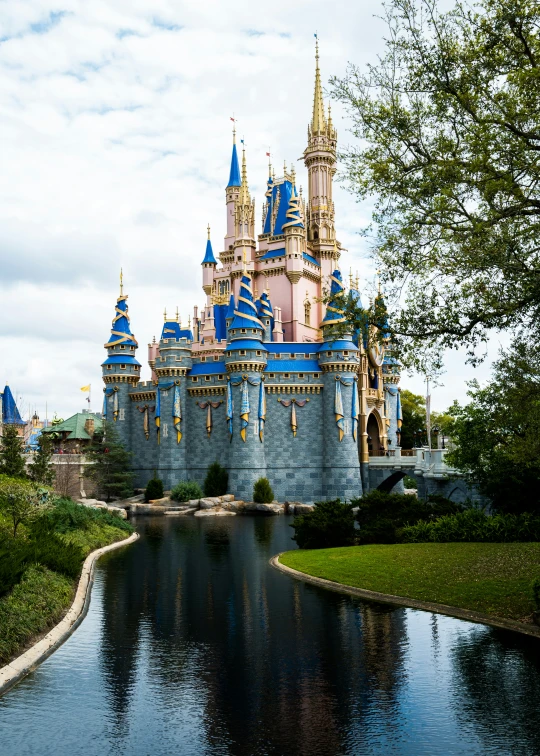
[(268, 659)]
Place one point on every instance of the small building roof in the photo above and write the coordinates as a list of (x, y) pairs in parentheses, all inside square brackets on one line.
[(75, 426)]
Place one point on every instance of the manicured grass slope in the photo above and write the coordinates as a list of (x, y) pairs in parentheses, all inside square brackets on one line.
[(490, 578)]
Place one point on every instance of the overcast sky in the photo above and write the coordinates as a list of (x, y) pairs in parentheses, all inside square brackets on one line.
[(115, 138)]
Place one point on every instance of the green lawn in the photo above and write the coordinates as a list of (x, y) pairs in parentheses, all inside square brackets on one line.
[(490, 578)]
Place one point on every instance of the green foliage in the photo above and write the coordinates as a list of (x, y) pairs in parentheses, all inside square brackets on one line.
[(475, 526), (186, 490), (216, 481), (330, 524), (496, 436), (409, 482), (111, 464), (262, 492), (34, 605), (20, 501), (446, 121), (154, 489), (12, 460), (381, 516), (65, 516), (41, 471)]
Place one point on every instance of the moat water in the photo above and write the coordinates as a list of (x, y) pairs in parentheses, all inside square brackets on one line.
[(194, 645)]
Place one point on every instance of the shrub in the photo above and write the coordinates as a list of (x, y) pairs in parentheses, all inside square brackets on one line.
[(216, 481), (409, 482), (536, 593), (154, 489), (331, 523), (474, 525), (65, 515), (382, 515), (185, 490), (262, 492)]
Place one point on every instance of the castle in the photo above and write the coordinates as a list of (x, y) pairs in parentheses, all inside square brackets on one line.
[(257, 381)]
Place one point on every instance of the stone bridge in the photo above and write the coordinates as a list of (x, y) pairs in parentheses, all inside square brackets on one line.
[(429, 470)]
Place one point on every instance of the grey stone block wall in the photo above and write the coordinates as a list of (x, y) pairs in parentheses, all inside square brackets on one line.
[(341, 464)]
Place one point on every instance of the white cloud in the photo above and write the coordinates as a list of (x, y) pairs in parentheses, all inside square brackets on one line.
[(116, 141)]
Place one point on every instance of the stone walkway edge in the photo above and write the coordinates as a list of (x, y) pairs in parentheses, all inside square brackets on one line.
[(384, 598), (27, 662)]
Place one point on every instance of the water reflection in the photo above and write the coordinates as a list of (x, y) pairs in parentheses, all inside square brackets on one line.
[(194, 645)]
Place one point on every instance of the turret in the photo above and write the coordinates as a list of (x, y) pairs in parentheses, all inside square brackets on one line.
[(231, 195), (320, 160), (245, 360), (209, 265), (266, 315), (245, 213), (339, 359), (121, 370)]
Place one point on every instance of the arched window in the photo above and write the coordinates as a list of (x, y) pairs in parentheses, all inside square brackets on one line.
[(307, 312)]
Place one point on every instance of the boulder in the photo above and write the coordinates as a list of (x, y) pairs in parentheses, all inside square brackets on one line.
[(163, 502), (186, 511), (273, 508), (147, 509), (303, 508), (214, 513), (210, 503), (234, 506), (227, 497)]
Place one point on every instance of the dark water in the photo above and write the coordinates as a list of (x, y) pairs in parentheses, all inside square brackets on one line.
[(195, 645)]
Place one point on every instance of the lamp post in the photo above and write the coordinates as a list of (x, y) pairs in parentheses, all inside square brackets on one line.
[(436, 431)]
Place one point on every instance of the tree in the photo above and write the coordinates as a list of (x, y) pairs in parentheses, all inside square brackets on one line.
[(20, 501), (448, 122), (331, 523), (216, 481), (12, 461), (110, 466), (497, 435), (41, 471), (413, 409)]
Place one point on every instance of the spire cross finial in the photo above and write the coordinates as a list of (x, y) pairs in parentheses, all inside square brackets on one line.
[(357, 281), (177, 315), (350, 279), (121, 283), (165, 314), (189, 322), (379, 281), (208, 232)]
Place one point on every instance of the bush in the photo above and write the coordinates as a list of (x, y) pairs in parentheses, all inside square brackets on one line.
[(65, 515), (381, 516), (185, 490), (154, 489), (262, 492), (216, 481), (474, 525), (331, 523), (536, 593), (409, 482)]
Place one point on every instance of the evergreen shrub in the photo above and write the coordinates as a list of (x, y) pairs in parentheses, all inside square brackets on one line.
[(381, 515), (185, 490), (154, 489), (216, 481), (409, 482), (262, 492), (65, 515), (474, 525), (330, 524)]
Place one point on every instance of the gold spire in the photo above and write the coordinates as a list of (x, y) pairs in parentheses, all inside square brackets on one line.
[(121, 283), (189, 322), (177, 315), (244, 188), (356, 283), (350, 279), (318, 122), (208, 232), (165, 314)]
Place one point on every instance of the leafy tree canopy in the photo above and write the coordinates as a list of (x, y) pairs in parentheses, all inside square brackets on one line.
[(111, 464), (497, 435), (447, 123), (12, 461), (41, 471)]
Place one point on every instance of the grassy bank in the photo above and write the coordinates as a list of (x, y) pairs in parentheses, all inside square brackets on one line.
[(39, 569), (490, 578)]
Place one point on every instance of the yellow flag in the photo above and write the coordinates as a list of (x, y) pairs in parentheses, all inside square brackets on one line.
[(85, 388)]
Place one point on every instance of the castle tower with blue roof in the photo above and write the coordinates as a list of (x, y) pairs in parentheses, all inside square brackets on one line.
[(263, 384)]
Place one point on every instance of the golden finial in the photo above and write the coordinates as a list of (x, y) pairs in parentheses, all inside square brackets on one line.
[(208, 232), (356, 283), (350, 279), (379, 281), (165, 314), (293, 174), (154, 340), (234, 130), (177, 315), (189, 322), (318, 123), (121, 283)]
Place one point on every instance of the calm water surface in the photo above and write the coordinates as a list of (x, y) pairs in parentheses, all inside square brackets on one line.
[(194, 645)]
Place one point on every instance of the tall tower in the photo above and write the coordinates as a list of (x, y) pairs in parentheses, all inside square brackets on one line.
[(320, 161), (121, 370), (245, 216), (231, 195)]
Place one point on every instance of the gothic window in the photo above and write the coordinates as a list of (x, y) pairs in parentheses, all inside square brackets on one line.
[(307, 313), (122, 414)]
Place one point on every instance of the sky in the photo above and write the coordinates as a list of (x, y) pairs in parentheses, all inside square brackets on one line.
[(116, 139)]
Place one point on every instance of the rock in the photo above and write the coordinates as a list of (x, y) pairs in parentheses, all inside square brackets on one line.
[(214, 513), (165, 501), (227, 497), (209, 503), (303, 508), (410, 491), (235, 506), (137, 498), (193, 503), (147, 509), (273, 508), (188, 511)]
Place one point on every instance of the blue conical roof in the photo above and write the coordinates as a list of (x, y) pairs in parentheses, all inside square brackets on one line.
[(334, 314), (209, 256), (245, 315), (121, 331), (10, 413), (234, 176), (231, 308)]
